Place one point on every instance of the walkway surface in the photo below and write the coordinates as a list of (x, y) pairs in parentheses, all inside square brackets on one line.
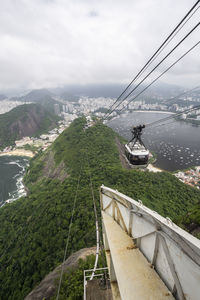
[(136, 279)]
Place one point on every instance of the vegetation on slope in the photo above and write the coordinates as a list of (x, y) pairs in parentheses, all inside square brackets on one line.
[(34, 229), (191, 220), (25, 120), (42, 97), (72, 284)]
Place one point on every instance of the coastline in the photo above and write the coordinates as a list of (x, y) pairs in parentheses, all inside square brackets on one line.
[(155, 111), (18, 152), (12, 185), (153, 169)]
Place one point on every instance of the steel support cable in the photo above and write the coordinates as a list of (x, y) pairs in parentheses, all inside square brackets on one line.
[(172, 116), (188, 51), (98, 236), (159, 50), (69, 232), (163, 124), (169, 53), (104, 264), (184, 93), (189, 91), (96, 221)]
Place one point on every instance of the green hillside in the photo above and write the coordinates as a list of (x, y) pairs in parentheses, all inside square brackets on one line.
[(34, 229), (41, 96), (190, 221), (25, 120)]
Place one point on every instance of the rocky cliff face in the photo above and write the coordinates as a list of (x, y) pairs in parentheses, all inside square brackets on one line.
[(47, 288), (29, 123), (25, 120)]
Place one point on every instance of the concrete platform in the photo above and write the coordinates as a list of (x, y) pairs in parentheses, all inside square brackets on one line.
[(95, 291), (131, 271)]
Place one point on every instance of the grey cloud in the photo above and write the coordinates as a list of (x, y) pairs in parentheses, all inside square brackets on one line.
[(93, 13), (45, 43)]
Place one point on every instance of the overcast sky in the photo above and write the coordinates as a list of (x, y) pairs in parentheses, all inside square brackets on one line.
[(49, 43)]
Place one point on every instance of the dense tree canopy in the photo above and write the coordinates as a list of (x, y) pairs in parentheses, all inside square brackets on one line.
[(34, 229)]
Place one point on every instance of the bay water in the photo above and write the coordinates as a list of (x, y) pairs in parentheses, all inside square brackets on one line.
[(12, 170), (176, 143)]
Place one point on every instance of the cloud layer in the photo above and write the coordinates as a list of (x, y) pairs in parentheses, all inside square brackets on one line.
[(48, 43)]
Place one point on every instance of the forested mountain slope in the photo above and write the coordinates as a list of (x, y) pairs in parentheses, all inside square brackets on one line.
[(42, 96), (25, 120), (34, 229), (190, 221)]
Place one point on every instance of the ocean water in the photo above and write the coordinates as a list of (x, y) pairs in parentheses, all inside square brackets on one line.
[(12, 170), (176, 144)]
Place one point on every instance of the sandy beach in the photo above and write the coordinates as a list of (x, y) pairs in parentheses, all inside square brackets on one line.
[(153, 169), (155, 111), (18, 152)]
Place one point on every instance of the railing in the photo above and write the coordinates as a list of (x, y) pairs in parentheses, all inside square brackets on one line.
[(100, 272), (172, 252)]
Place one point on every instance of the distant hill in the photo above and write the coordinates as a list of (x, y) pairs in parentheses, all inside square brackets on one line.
[(72, 92), (25, 120), (2, 97), (42, 96), (69, 97)]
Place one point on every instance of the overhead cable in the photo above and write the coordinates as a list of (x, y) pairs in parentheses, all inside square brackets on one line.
[(188, 51), (68, 236), (161, 50), (184, 93), (96, 221), (170, 37), (169, 53), (188, 110)]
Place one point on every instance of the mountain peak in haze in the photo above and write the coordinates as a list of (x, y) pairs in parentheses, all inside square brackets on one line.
[(2, 97), (38, 94)]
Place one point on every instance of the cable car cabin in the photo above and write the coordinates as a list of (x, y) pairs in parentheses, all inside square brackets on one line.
[(137, 154), (135, 150)]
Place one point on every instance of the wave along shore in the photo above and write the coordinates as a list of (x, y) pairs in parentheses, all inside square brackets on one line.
[(18, 152)]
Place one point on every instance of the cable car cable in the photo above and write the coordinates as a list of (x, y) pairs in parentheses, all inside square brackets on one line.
[(188, 51), (169, 41), (164, 124), (96, 219), (172, 116), (169, 53), (135, 150), (157, 51), (184, 93), (69, 232), (98, 235)]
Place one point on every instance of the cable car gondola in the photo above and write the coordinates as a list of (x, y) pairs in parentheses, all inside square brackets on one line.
[(135, 150)]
